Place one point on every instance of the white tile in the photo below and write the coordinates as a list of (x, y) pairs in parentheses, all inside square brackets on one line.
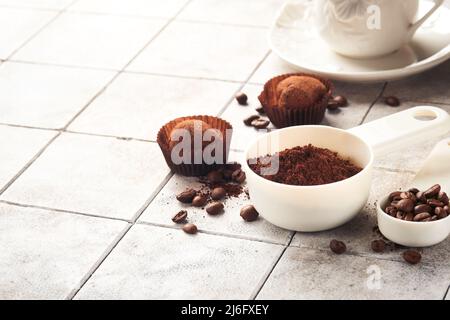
[(248, 12), (199, 50), (150, 8), (429, 87), (235, 114), (46, 96), (271, 67), (18, 147), (17, 26), (90, 40), (160, 263), (88, 174), (310, 274), (412, 156), (39, 4), (165, 206), (137, 105), (45, 254)]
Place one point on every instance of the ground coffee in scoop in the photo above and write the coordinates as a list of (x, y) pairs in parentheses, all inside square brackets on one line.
[(306, 166)]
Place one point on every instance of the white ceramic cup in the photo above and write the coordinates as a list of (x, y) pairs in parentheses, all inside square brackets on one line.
[(317, 208), (368, 28)]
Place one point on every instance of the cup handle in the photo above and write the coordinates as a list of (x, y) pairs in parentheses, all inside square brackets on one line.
[(413, 28), (403, 128)]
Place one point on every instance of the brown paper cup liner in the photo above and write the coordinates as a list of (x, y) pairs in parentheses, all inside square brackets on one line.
[(286, 117), (191, 170)]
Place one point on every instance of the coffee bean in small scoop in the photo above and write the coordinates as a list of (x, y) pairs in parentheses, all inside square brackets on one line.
[(241, 98)]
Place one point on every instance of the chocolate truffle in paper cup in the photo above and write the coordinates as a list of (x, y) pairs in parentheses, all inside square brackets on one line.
[(195, 145), (296, 99)]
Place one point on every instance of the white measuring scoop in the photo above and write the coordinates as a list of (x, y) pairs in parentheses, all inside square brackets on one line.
[(436, 170), (322, 207)]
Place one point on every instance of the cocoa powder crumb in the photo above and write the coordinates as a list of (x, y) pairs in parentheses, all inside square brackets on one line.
[(306, 166)]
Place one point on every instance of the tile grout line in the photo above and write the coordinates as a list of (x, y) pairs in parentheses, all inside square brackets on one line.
[(57, 15), (90, 215), (228, 103), (446, 293), (102, 90), (28, 164), (99, 262), (211, 233), (148, 73), (373, 103), (116, 242), (271, 269)]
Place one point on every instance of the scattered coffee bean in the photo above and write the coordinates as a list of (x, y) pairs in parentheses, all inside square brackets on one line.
[(338, 247), (418, 206), (214, 208), (392, 101), (412, 256), (378, 245), (180, 217), (218, 193), (337, 102), (249, 213), (241, 98), (190, 228), (260, 110), (248, 121), (186, 196), (199, 201), (405, 205), (260, 123), (214, 176), (432, 192), (238, 176)]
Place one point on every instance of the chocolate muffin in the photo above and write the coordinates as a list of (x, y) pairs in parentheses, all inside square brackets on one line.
[(171, 141), (295, 99)]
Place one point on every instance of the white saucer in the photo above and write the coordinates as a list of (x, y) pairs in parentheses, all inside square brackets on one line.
[(293, 38)]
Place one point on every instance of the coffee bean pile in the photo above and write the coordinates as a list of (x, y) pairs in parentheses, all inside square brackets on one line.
[(217, 185), (419, 206)]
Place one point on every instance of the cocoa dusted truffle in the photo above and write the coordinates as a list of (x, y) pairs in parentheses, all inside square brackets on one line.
[(194, 127), (296, 99), (299, 92)]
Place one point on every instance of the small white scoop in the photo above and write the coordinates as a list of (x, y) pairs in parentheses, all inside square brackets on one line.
[(421, 234)]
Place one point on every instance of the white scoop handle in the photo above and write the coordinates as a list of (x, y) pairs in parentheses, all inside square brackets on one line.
[(403, 128), (436, 169)]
